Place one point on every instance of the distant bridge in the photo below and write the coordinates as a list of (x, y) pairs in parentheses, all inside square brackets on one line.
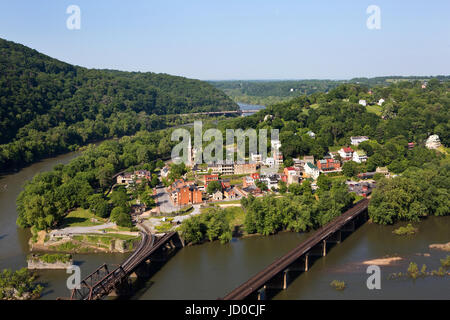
[(212, 113), (103, 282), (275, 276)]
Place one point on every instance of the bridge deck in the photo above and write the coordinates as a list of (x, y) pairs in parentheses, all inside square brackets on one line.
[(147, 246), (258, 280)]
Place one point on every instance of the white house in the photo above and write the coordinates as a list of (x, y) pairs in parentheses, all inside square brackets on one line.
[(276, 144), (218, 195), (270, 180), (362, 102), (357, 140), (270, 161), (380, 102), (312, 170), (359, 156), (256, 157), (346, 153), (278, 157), (311, 134), (164, 172), (433, 142)]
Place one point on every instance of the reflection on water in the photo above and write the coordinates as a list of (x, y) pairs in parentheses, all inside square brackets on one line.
[(211, 270)]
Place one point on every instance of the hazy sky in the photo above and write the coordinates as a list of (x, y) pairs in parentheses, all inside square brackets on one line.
[(239, 39)]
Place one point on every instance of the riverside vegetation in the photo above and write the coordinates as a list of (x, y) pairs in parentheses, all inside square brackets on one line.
[(19, 285)]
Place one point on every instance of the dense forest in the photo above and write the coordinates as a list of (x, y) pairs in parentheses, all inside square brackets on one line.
[(48, 106)]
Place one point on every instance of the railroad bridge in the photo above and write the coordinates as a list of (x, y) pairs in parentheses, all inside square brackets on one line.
[(213, 113), (276, 275), (103, 282)]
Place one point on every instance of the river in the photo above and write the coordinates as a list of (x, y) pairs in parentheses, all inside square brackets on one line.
[(246, 106), (211, 270)]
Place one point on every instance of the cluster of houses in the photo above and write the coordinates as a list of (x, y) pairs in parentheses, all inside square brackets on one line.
[(232, 168), (363, 188), (225, 192), (184, 192), (138, 176)]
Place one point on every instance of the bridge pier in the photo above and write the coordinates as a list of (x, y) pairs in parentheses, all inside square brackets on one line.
[(335, 237), (300, 265), (300, 258), (348, 227), (277, 282)]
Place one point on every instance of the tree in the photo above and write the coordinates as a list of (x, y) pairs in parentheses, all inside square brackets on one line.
[(124, 220), (261, 185), (117, 212), (283, 186), (213, 187), (119, 198), (324, 182), (350, 169)]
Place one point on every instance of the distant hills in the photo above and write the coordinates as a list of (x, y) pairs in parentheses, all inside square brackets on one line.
[(268, 92)]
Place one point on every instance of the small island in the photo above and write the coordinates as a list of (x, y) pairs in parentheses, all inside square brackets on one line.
[(408, 230), (49, 261)]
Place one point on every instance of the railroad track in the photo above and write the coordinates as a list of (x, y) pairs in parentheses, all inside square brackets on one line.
[(259, 279)]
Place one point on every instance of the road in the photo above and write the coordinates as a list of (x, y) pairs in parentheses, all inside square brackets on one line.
[(80, 230), (163, 200)]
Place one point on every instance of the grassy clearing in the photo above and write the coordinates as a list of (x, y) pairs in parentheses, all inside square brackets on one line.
[(164, 227), (235, 179), (52, 257), (104, 238), (444, 150), (66, 247), (81, 218), (228, 202), (357, 198), (236, 216), (374, 109)]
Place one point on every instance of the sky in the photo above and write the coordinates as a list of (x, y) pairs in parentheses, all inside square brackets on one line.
[(239, 39)]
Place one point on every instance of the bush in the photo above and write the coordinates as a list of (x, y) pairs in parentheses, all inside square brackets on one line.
[(408, 230), (338, 285), (124, 220)]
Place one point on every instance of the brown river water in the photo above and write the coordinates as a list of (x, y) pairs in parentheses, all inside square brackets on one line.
[(211, 270)]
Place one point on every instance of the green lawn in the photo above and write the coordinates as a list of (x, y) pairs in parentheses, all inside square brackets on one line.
[(236, 216), (81, 218), (374, 109), (334, 148)]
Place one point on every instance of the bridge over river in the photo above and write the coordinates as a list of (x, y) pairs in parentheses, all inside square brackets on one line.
[(212, 113), (276, 275), (103, 282)]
